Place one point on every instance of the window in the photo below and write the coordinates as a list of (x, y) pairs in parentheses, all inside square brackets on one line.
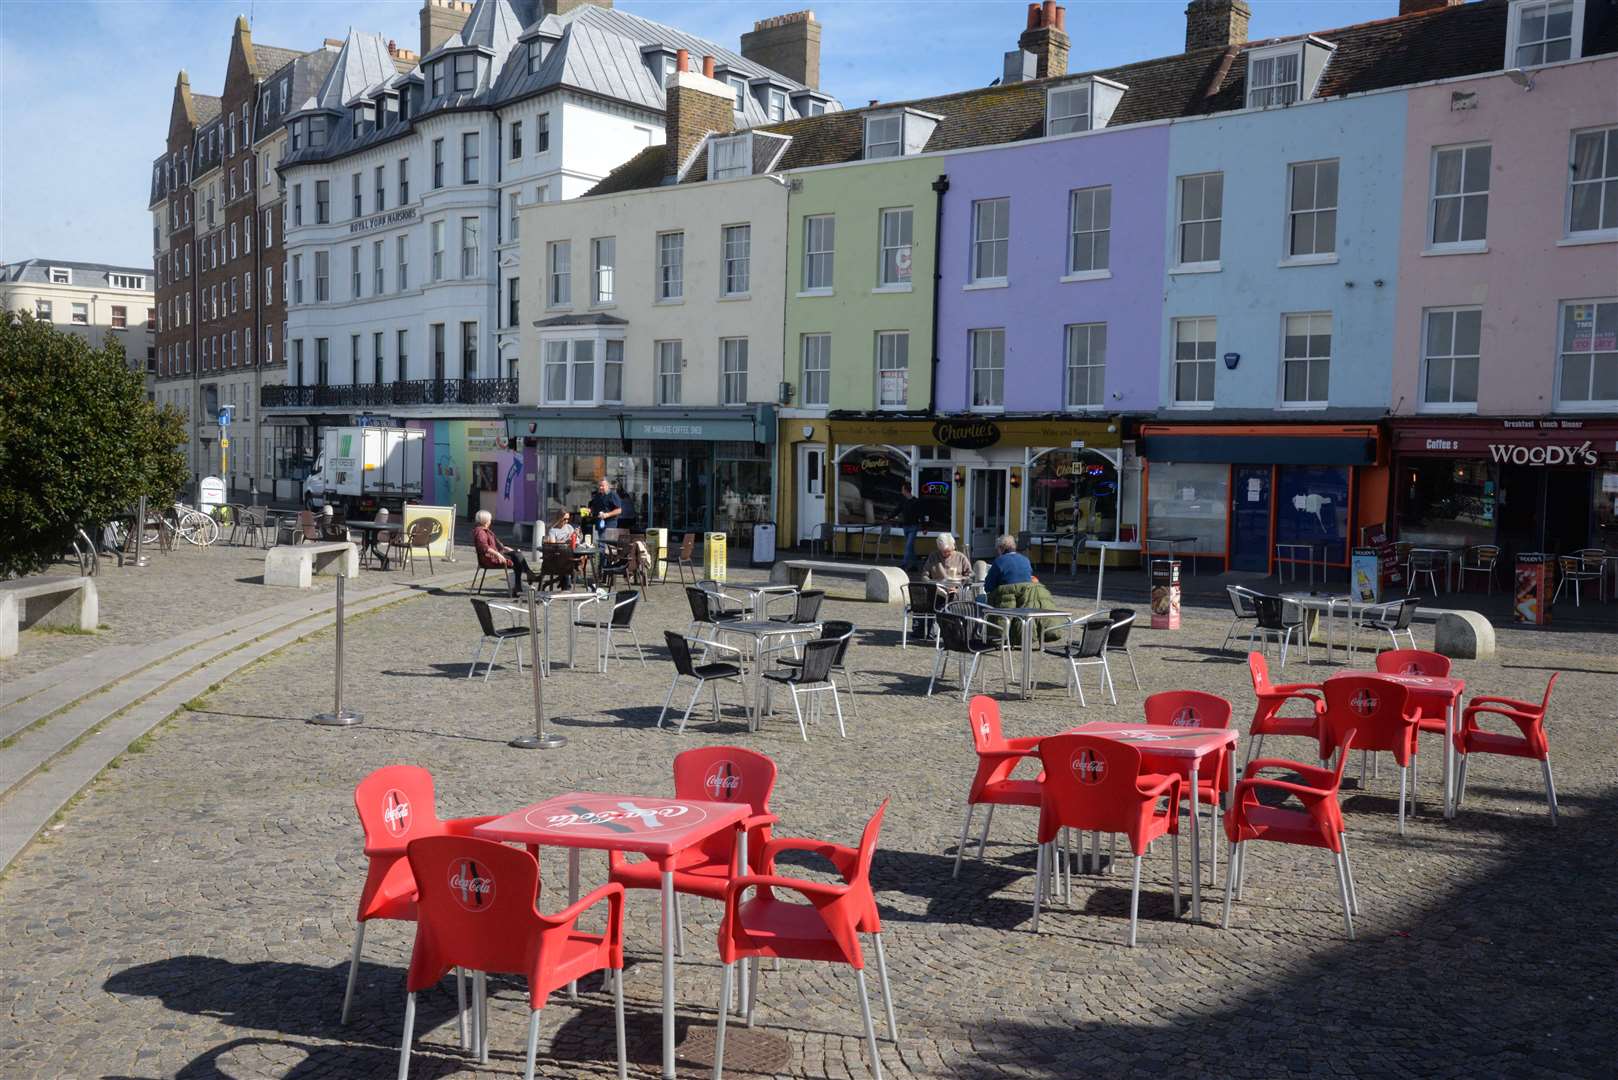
[(516, 139), (816, 352), (1274, 79), (612, 371), (892, 368), (1305, 358), (377, 283), (603, 263), (401, 258), (1593, 182), (775, 108), (670, 266), (120, 318), (1089, 230), (322, 275), (736, 244), (469, 157), (466, 73), (376, 357), (738, 87), (269, 229), (247, 290), (297, 204), (404, 180), (247, 358), (1068, 109), (247, 236), (322, 361), (1460, 213), (542, 134), (1589, 371), (1543, 33), (730, 157), (322, 201), (513, 217), (884, 136), (42, 310), (819, 252), (988, 369), (583, 368), (1201, 208), (438, 161), (469, 247), (1450, 357), (513, 302), (893, 266), (559, 261), (438, 351), (991, 232), (358, 192), (269, 284), (670, 361), (151, 318), (60, 276), (733, 371), (128, 281), (1194, 360), (437, 230), (356, 283), (438, 77), (536, 54), (1086, 365), (469, 350), (1312, 209), (401, 354)]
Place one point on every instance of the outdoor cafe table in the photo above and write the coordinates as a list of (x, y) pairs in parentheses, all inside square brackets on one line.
[(1432, 690), (759, 595), (654, 826), (762, 631), (572, 598), (372, 529), (1313, 604), (1026, 617), (1168, 749)]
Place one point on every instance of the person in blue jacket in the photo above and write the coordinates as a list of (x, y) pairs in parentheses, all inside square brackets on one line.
[(1010, 567)]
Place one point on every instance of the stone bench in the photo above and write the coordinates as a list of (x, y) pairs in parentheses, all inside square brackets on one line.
[(294, 565), (883, 584), (46, 601), (1463, 635)]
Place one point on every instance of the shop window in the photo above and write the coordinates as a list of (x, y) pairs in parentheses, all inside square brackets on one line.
[(1447, 503), (1073, 491), (1189, 500), (742, 480), (869, 479), (1312, 508)]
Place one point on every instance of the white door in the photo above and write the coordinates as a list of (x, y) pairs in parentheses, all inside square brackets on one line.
[(985, 510), (811, 488)]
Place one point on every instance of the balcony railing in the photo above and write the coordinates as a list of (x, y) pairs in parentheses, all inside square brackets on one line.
[(402, 392)]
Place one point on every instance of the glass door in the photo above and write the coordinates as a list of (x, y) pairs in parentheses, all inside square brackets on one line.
[(985, 510), (1250, 524), (811, 488)]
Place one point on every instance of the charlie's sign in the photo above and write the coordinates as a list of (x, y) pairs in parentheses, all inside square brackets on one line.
[(966, 434)]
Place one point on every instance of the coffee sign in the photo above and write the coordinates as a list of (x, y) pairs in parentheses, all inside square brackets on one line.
[(966, 434)]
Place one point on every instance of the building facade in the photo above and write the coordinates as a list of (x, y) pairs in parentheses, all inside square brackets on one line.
[(101, 303)]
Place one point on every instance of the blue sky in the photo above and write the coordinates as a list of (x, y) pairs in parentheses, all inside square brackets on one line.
[(85, 87)]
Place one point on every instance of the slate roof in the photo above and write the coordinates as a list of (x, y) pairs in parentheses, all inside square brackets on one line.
[(1445, 43), (38, 271), (268, 59), (206, 106), (362, 62)]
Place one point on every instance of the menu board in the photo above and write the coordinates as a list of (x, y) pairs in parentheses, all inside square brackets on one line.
[(1365, 569), (1533, 599)]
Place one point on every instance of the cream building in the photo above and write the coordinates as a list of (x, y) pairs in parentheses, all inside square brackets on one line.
[(97, 301)]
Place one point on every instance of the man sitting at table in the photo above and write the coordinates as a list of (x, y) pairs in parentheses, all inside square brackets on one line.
[(493, 555), (947, 564), (1010, 567), (1011, 584)]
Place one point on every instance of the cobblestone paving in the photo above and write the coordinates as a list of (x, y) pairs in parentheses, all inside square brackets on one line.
[(191, 917)]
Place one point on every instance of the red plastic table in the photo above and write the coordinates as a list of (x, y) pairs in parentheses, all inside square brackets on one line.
[(657, 827), (1165, 749), (1431, 689)]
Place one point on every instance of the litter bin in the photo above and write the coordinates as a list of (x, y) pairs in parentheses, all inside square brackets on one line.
[(764, 544)]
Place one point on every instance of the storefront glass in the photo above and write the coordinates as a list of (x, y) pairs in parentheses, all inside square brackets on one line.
[(1312, 508), (1447, 503), (1606, 499), (869, 479), (1186, 499), (1073, 491), (742, 479), (570, 474)]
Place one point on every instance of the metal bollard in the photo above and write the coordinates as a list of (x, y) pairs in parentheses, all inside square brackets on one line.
[(339, 716), (540, 739), (140, 530)]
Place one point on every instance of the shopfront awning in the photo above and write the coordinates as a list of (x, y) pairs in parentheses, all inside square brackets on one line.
[(1257, 445), (754, 424)]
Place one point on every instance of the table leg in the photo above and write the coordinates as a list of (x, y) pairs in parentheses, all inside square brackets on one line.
[(572, 632), (1027, 657), (546, 670), (668, 974), (572, 898), (1449, 755), (741, 869), (1196, 852)]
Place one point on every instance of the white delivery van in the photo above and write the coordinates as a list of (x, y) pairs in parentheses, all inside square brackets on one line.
[(362, 468)]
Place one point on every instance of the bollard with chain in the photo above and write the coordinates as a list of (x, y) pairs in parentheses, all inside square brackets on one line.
[(339, 716)]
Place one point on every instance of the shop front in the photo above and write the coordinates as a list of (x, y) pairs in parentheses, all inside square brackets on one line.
[(977, 477), (1547, 485), (696, 470), (1250, 496)]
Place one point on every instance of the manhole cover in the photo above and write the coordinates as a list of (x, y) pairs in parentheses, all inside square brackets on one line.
[(747, 1049)]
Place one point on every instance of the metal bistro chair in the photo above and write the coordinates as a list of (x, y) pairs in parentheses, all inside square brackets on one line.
[(965, 635), (1088, 649), (703, 674), (1596, 560), (1481, 559), (922, 602), (395, 546), (556, 566), (820, 541), (1123, 621), (1425, 564), (246, 527), (684, 561), (619, 620), (1577, 571), (805, 608), (1391, 619), (1274, 623), (1242, 609), (422, 534), (811, 677), (835, 630), (497, 634)]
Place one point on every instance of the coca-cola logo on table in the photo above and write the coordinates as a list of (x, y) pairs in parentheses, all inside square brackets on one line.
[(623, 816), (471, 884), (396, 812), (723, 782)]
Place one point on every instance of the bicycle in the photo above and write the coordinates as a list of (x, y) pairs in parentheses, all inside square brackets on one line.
[(198, 528)]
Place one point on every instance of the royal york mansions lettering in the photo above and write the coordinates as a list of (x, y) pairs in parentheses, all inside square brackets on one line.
[(377, 221)]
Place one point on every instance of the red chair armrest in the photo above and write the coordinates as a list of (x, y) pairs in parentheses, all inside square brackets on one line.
[(1302, 791), (1027, 744), (843, 858), (759, 821), (1512, 703), (611, 892), (1312, 773), (464, 826), (817, 892), (1297, 688), (1162, 784)]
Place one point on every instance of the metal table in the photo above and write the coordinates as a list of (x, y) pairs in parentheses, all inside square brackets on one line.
[(1450, 555), (545, 599), (1026, 617), (1329, 604), (761, 631), (760, 595), (1173, 544), (371, 529)]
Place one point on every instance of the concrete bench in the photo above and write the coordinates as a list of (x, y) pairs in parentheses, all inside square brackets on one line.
[(46, 601), (294, 565), (1463, 635), (883, 584)]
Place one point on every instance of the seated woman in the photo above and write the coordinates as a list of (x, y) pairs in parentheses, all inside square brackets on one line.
[(946, 564), (494, 555), (562, 530)]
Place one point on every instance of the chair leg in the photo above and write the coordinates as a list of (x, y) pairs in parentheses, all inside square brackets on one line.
[(686, 716), (1174, 853), (460, 1007), (476, 655), (1348, 869), (1233, 861), (668, 698), (887, 990), (939, 660), (870, 1028), (1342, 888), (971, 673), (618, 1015), (1404, 777), (1130, 653), (533, 1043), (409, 1032), (1550, 787), (1134, 904), (1106, 678), (1460, 781), (838, 706), (724, 1012), (679, 928), (1039, 883), (798, 712), (354, 967), (983, 838)]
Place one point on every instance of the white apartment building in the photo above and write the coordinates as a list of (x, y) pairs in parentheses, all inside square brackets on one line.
[(99, 302), (404, 208)]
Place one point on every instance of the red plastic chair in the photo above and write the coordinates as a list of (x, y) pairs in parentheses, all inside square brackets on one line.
[(1380, 711), (1094, 784), (1267, 718), (825, 929), (1319, 823), (1194, 708), (1429, 715), (1530, 720), (396, 806), (998, 758), (477, 911), (715, 774)]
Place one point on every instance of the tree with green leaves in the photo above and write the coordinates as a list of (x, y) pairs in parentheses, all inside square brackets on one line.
[(79, 441)]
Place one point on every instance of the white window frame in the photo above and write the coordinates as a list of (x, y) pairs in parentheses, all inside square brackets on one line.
[(984, 252), (1182, 223), (1090, 332), (1198, 322), (1072, 120), (987, 371), (736, 260), (882, 399), (733, 371), (1097, 236), (670, 251), (897, 246), (668, 362), (603, 270), (1605, 230), (819, 254), (1457, 245), (1275, 92), (1294, 213), (1514, 43), (471, 247), (878, 147), (1316, 398), (730, 156), (1592, 404), (61, 275), (819, 345), (559, 274), (600, 358), (1450, 406)]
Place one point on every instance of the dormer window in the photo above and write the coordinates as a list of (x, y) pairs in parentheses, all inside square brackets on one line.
[(1543, 32), (739, 85), (775, 105), (538, 50), (297, 135), (439, 71), (466, 73), (730, 156), (884, 136), (1081, 106), (317, 132), (1284, 74), (60, 275), (660, 60)]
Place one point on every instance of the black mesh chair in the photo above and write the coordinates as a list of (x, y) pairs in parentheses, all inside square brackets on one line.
[(1123, 621), (1241, 611), (702, 674), (835, 630), (811, 677), (805, 609), (1086, 646), (962, 636), (1276, 623), (923, 599), (1391, 619), (619, 620), (497, 634)]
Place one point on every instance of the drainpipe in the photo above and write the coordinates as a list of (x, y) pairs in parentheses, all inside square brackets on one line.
[(940, 188)]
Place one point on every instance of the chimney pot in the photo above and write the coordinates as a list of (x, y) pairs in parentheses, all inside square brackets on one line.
[(393, 47), (1061, 18), (1411, 7), (707, 66), (682, 60), (1033, 16), (1048, 14), (1045, 39)]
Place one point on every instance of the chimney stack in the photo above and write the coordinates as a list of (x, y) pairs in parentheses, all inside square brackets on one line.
[(1216, 22), (697, 104), (562, 7), (789, 44), (1046, 37), (1411, 7), (440, 20)]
